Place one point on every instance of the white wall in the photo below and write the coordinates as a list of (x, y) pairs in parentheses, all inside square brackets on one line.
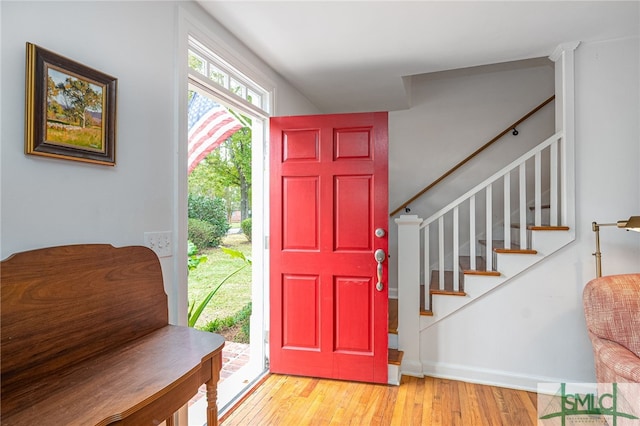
[(532, 328), (48, 202), (453, 114), (456, 112)]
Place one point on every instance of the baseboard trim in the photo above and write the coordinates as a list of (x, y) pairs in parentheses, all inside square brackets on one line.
[(412, 368), (490, 377)]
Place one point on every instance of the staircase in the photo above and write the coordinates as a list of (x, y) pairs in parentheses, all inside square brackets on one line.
[(486, 237), (474, 283)]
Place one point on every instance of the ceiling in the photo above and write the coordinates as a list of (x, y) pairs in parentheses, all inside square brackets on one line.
[(352, 56)]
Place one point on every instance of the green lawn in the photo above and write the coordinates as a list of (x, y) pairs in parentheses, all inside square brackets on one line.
[(235, 293)]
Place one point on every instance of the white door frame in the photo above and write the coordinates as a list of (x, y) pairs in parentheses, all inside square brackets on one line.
[(178, 292)]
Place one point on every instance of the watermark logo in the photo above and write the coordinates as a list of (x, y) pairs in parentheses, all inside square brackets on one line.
[(573, 404)]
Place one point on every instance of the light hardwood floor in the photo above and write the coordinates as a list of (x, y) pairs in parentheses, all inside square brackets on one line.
[(289, 400)]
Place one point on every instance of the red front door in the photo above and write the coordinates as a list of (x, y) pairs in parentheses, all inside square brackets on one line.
[(328, 196)]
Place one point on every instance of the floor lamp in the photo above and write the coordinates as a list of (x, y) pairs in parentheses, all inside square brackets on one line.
[(632, 224)]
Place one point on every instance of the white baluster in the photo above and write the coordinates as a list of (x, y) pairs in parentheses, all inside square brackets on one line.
[(456, 252), (553, 182), (538, 189), (441, 252), (507, 211), (523, 205), (489, 228), (427, 270), (472, 231)]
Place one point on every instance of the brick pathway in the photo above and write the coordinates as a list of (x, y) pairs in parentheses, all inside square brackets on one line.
[(234, 356)]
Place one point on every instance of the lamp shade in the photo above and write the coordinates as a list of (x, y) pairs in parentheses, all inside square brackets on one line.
[(633, 224)]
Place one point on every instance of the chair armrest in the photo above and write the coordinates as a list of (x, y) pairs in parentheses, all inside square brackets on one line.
[(614, 362)]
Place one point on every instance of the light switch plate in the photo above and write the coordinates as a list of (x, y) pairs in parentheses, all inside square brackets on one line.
[(159, 242)]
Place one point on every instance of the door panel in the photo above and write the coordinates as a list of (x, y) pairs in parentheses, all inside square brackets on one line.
[(300, 213), (328, 195), (353, 231), (353, 327), (301, 312)]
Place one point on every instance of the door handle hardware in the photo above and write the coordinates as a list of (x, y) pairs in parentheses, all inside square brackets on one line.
[(380, 256), (380, 233)]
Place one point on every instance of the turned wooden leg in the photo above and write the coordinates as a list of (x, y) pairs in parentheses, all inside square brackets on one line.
[(212, 391)]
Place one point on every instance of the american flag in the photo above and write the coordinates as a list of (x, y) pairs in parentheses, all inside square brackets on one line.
[(210, 124)]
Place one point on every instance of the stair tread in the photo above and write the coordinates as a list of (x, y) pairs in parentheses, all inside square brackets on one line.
[(498, 247), (465, 263), (544, 206), (515, 251), (480, 269), (499, 244), (393, 316), (423, 311), (482, 272), (394, 356), (547, 228), (447, 288), (541, 227)]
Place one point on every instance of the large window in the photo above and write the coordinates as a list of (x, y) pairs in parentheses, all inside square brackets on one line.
[(241, 108)]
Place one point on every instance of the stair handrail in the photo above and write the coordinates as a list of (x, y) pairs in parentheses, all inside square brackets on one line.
[(471, 156), (515, 163)]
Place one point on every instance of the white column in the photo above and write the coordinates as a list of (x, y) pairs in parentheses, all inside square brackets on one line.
[(409, 293), (563, 57)]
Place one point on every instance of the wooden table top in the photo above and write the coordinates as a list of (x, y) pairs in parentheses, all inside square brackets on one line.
[(113, 385)]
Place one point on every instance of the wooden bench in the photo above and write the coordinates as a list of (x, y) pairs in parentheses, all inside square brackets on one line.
[(85, 340)]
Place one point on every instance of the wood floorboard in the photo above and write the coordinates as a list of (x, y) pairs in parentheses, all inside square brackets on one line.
[(300, 401), (490, 408), (469, 406), (427, 400)]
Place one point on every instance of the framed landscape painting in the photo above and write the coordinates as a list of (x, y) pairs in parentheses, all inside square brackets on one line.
[(70, 109)]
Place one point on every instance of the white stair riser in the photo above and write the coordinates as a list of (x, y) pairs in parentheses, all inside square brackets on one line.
[(442, 306), (393, 374), (511, 264), (546, 242), (477, 285), (393, 341)]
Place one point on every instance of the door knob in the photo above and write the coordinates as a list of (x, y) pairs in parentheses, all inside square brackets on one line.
[(380, 256)]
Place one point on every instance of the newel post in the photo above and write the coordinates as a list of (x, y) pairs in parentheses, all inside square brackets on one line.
[(409, 293)]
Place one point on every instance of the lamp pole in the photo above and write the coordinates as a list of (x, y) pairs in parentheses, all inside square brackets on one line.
[(632, 224), (597, 254), (596, 228)]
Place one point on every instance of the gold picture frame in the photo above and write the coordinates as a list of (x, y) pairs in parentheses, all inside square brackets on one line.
[(70, 109)]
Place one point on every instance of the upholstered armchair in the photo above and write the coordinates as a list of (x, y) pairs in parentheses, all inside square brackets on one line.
[(612, 311)]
